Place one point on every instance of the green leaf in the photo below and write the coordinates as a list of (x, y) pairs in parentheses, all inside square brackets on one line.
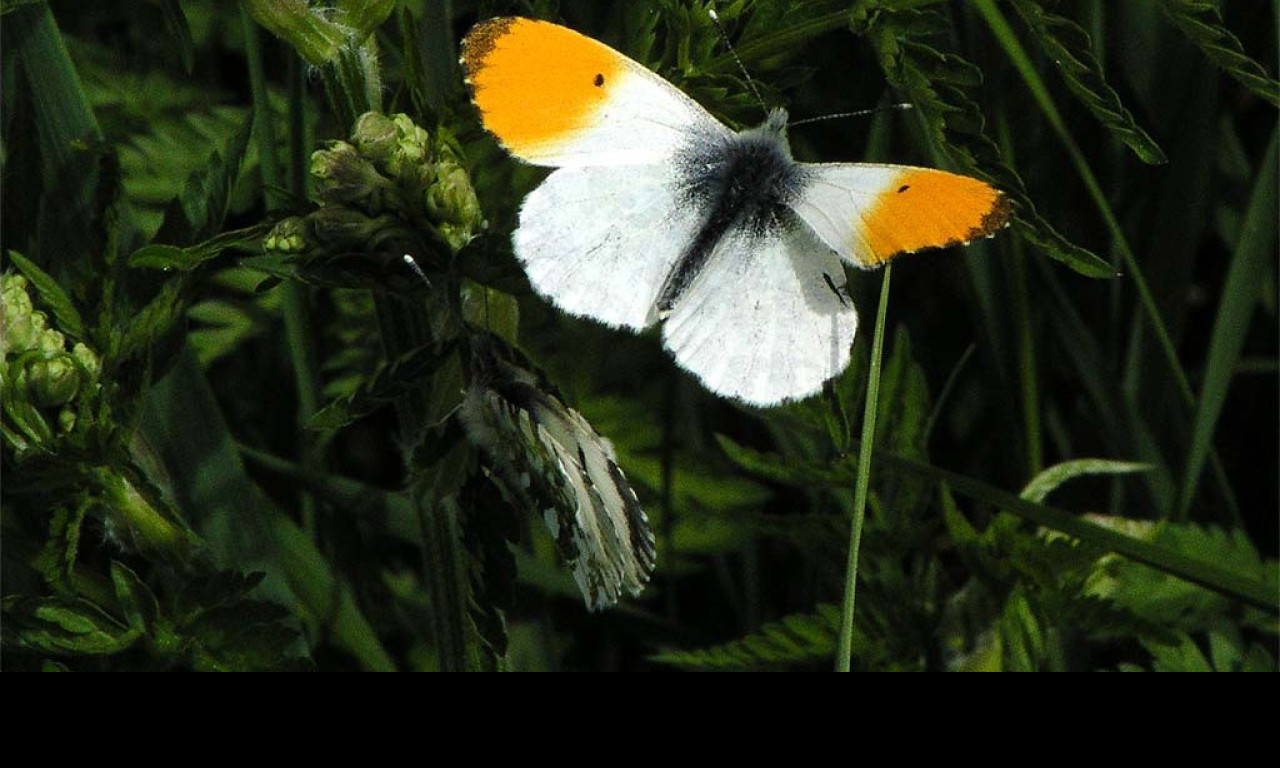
[(242, 526), (1048, 481), (197, 213), (63, 627), (1201, 22), (1170, 601), (1182, 655), (389, 382), (51, 295), (169, 257), (1068, 46), (782, 469), (797, 639), (135, 598)]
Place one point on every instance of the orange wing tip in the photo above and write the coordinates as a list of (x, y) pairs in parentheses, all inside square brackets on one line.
[(535, 83), (926, 209)]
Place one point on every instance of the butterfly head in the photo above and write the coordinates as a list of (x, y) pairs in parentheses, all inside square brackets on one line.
[(776, 122)]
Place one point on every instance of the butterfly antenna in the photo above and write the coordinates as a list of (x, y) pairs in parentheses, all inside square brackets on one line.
[(413, 264), (715, 19), (859, 113)]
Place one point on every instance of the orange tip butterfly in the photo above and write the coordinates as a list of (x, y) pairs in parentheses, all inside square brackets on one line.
[(658, 212)]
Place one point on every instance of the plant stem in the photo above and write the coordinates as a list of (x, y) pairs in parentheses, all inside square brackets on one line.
[(845, 652), (297, 316)]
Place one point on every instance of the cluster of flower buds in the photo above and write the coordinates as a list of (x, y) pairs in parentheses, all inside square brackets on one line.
[(391, 180), (40, 379)]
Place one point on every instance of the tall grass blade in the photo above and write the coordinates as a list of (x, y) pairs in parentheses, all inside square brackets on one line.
[(1240, 296)]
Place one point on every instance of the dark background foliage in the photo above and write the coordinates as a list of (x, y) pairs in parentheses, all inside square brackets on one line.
[(1117, 346)]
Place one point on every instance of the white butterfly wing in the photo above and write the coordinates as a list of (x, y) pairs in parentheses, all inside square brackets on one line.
[(556, 97), (871, 213), (766, 320), (599, 243)]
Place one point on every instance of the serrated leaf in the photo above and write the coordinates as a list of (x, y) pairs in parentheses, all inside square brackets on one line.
[(51, 295), (1201, 22), (1164, 599), (389, 382), (198, 211), (135, 598), (797, 639), (782, 469), (1069, 47), (63, 627)]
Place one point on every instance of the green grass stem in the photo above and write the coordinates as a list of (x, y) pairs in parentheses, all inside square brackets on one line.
[(844, 652)]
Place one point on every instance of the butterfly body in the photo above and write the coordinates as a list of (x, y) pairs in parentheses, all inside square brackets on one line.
[(658, 212), (745, 181)]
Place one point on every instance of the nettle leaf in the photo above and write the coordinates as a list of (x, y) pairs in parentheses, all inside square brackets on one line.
[(1201, 22), (51, 295), (63, 627), (1069, 47), (802, 638), (937, 84), (389, 382), (1165, 599)]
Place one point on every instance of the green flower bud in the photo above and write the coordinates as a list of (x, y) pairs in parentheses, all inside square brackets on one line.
[(13, 294), (289, 236), (15, 312), (343, 177), (343, 228), (23, 327), (412, 154), (66, 420), (452, 205), (375, 136), (51, 342), (87, 360), (53, 382)]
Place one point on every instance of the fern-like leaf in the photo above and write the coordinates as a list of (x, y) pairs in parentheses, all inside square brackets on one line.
[(1201, 22), (797, 639), (1069, 47)]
